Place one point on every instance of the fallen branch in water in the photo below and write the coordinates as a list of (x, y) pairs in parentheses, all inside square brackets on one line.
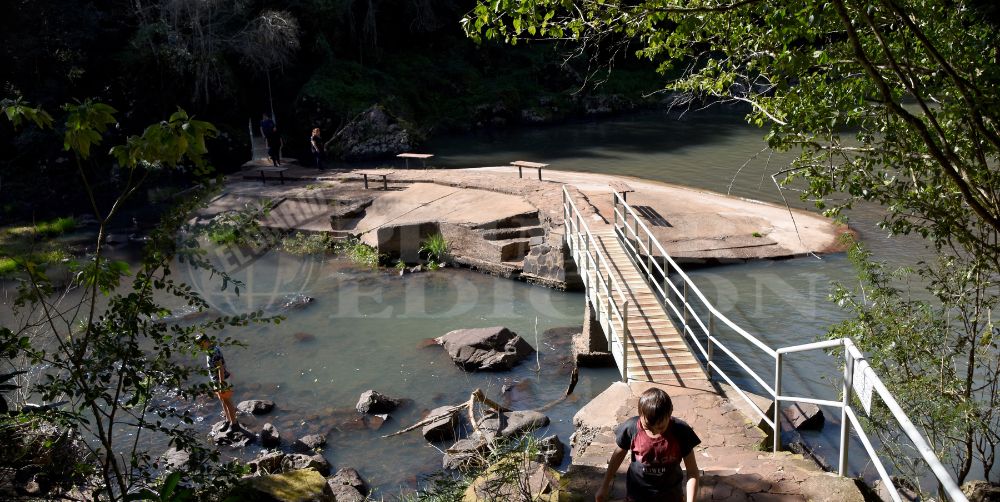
[(476, 395)]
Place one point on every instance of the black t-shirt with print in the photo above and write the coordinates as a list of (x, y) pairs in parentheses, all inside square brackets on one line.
[(654, 473)]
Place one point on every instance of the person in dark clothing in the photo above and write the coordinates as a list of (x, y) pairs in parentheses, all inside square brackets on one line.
[(657, 443), (269, 130), (316, 145), (217, 370)]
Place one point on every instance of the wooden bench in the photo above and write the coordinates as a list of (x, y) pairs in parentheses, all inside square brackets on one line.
[(622, 188), (422, 156), (523, 163), (270, 169), (383, 174)]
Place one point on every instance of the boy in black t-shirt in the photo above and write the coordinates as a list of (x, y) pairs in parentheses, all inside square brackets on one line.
[(657, 443)]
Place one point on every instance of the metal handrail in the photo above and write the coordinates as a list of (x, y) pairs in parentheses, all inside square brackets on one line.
[(602, 273), (852, 356)]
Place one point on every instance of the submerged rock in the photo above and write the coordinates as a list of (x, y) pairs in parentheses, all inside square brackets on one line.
[(296, 301), (485, 349), (804, 416)]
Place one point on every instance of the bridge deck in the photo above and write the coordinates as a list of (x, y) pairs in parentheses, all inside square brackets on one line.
[(656, 351)]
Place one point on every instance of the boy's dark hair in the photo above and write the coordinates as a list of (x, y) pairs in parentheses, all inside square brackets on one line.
[(655, 405)]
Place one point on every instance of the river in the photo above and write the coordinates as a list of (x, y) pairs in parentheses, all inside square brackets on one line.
[(370, 329)]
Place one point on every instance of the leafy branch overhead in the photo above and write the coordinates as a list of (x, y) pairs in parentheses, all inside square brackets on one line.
[(887, 101), (105, 352)]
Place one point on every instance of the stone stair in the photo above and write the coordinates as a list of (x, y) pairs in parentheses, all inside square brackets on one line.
[(512, 237)]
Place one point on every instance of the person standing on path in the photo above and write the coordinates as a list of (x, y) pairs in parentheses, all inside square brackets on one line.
[(217, 370), (316, 145), (269, 130), (657, 443)]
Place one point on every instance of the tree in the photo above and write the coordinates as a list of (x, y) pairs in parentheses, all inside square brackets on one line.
[(889, 101), (105, 350)]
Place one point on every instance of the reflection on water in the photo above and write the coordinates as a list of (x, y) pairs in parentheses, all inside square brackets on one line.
[(370, 330)]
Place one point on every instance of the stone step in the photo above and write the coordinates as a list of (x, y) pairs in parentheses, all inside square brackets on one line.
[(512, 249), (496, 234), (526, 219)]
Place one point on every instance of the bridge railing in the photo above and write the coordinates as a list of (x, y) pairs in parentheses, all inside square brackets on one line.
[(682, 298), (601, 284)]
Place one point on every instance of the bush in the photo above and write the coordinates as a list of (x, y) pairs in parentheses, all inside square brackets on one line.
[(359, 252), (435, 247), (301, 243), (55, 227)]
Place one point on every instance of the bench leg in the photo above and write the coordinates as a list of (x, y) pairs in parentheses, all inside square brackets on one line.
[(366, 181), (539, 174), (519, 175), (385, 183), (281, 176), (262, 181)]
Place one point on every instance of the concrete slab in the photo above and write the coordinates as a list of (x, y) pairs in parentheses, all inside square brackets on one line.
[(427, 202)]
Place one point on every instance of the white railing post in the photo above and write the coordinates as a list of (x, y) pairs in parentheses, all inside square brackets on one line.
[(686, 311), (711, 329), (624, 341), (649, 257), (845, 426), (777, 402)]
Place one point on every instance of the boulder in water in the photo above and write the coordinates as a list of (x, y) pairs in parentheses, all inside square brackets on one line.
[(512, 423), (256, 406), (442, 429), (485, 349), (375, 403), (269, 437)]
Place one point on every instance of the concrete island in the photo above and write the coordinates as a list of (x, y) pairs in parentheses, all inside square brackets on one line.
[(512, 227)]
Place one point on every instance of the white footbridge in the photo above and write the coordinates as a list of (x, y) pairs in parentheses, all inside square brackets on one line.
[(660, 328)]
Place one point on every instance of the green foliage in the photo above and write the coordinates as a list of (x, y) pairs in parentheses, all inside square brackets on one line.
[(359, 252), (400, 265), (239, 227), (938, 357), (884, 101), (303, 243), (435, 247), (504, 462), (107, 355), (55, 227)]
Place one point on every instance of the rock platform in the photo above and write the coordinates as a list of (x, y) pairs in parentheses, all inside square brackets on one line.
[(513, 227)]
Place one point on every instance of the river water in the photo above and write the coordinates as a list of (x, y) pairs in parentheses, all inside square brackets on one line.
[(370, 329)]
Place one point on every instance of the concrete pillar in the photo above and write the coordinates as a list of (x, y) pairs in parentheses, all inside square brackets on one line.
[(593, 333)]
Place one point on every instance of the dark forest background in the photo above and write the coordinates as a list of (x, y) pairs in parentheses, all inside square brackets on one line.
[(316, 63)]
